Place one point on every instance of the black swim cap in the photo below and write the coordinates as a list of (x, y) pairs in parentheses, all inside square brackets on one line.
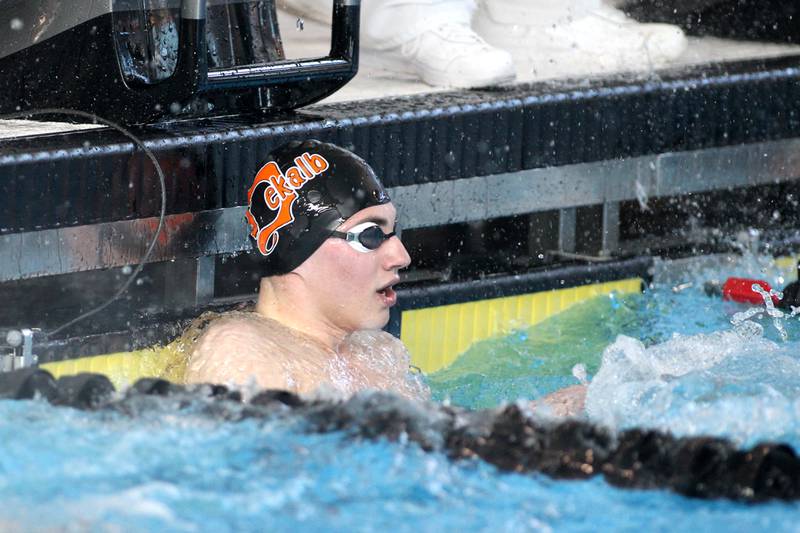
[(301, 195)]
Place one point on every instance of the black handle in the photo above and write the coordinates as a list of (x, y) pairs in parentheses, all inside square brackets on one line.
[(342, 59), (192, 75)]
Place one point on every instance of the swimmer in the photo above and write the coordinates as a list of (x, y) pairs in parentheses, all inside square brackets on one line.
[(325, 227)]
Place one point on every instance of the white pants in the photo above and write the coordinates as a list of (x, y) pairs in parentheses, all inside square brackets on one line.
[(540, 12), (390, 23)]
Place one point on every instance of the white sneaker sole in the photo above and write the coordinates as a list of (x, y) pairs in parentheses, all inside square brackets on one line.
[(633, 45), (393, 64)]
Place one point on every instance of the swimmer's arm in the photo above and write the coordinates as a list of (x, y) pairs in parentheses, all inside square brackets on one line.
[(565, 402)]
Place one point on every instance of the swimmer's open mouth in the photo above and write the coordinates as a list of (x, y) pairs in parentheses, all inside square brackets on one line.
[(388, 291)]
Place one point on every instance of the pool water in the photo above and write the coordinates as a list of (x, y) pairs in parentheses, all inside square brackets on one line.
[(664, 359)]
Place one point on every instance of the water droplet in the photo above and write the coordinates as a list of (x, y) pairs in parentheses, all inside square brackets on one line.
[(17, 24), (127, 270), (641, 196), (14, 338)]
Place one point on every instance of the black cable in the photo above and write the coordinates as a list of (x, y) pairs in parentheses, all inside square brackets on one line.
[(162, 182)]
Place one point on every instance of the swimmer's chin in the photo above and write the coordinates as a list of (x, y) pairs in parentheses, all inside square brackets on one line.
[(376, 323)]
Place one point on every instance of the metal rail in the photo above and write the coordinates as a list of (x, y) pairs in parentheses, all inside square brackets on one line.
[(208, 233)]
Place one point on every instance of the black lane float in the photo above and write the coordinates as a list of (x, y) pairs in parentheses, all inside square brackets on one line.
[(699, 467)]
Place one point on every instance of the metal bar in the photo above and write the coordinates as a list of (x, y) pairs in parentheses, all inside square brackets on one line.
[(301, 67), (221, 231), (193, 9), (116, 244), (671, 174), (567, 226), (204, 280), (610, 242), (192, 284)]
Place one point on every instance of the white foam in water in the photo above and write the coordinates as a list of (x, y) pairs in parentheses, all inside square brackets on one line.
[(143, 501), (735, 384), (580, 373)]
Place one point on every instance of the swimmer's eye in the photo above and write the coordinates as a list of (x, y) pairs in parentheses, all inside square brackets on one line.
[(364, 237)]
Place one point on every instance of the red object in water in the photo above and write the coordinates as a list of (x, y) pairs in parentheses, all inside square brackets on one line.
[(741, 290)]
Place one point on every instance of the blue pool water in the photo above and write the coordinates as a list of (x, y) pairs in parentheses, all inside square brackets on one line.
[(170, 466)]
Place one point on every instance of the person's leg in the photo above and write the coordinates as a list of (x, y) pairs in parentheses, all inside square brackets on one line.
[(568, 37), (429, 39)]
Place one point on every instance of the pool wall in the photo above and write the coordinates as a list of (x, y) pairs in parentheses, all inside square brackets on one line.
[(577, 164)]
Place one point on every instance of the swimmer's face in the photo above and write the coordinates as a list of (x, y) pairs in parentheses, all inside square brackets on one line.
[(353, 288)]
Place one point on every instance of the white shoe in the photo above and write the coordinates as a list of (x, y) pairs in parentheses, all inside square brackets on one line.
[(604, 40), (449, 55)]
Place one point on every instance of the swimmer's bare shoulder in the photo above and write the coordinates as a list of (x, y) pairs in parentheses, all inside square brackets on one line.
[(237, 349), (386, 363), (372, 342)]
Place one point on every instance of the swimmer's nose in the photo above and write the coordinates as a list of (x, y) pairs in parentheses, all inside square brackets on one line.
[(396, 254)]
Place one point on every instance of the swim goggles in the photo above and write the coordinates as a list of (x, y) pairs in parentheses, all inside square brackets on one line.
[(364, 237)]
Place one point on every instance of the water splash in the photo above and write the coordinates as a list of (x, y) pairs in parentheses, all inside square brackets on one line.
[(742, 323), (744, 326), (579, 371), (642, 197), (776, 314), (740, 386)]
